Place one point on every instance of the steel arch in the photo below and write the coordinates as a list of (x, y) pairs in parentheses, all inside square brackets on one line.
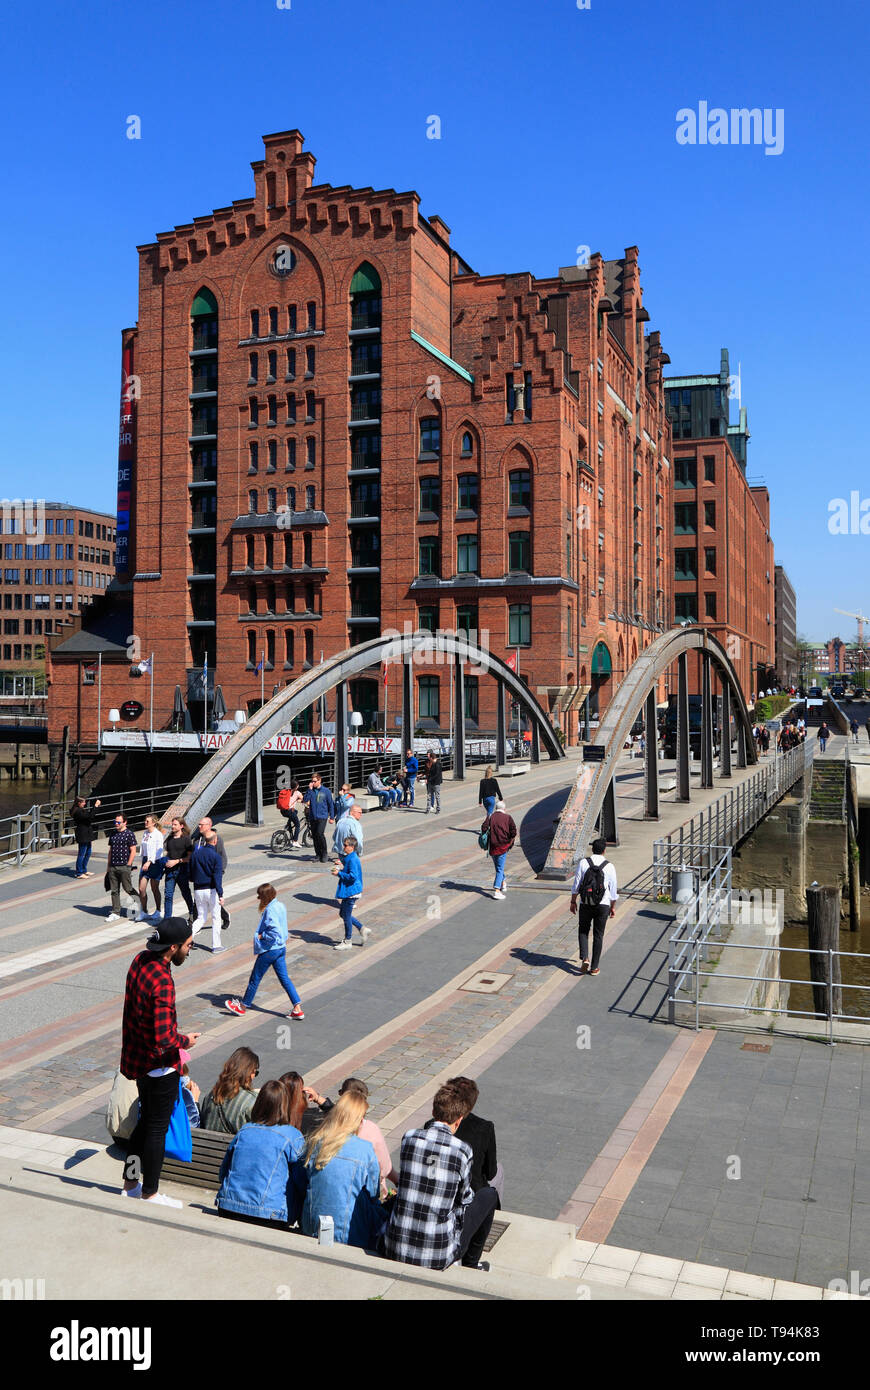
[(586, 800), (223, 767)]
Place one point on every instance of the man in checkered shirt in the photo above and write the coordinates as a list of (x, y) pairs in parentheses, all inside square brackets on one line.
[(437, 1218)]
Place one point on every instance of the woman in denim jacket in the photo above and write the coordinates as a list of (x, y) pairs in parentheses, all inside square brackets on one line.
[(262, 1177), (344, 1177), (270, 949), (348, 871)]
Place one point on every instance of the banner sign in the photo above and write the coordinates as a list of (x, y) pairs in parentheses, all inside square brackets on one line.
[(125, 459)]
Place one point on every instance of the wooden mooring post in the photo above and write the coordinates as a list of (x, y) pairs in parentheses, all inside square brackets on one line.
[(823, 922)]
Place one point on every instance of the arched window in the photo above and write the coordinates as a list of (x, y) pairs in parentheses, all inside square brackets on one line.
[(309, 499), (253, 456), (288, 646), (291, 498), (311, 310), (204, 320), (273, 367), (253, 502), (252, 647), (249, 552), (254, 364), (466, 447), (272, 499), (365, 297), (272, 448), (310, 452), (291, 456), (270, 649)]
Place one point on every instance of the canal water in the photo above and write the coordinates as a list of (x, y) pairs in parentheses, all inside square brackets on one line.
[(17, 797), (855, 972)]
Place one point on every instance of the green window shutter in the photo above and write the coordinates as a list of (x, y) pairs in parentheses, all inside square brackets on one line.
[(366, 280), (601, 663), (204, 305)]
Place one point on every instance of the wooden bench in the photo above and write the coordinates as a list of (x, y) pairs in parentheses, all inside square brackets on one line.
[(209, 1147)]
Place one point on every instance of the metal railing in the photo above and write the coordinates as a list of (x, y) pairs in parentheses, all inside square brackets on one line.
[(733, 815), (691, 967)]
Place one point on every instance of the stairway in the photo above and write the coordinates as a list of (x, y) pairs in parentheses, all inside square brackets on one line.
[(827, 792)]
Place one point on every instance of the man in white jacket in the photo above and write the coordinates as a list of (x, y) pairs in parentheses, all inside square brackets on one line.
[(595, 886)]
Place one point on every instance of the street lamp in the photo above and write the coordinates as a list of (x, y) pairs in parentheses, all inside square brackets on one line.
[(356, 721), (114, 716)]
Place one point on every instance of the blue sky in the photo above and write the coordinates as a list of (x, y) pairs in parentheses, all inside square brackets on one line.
[(558, 130)]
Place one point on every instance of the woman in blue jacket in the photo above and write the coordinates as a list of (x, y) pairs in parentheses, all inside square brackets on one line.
[(348, 871), (270, 948), (262, 1176), (344, 1177)]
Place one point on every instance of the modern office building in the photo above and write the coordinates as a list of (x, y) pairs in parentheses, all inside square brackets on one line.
[(337, 427), (723, 552), (56, 559)]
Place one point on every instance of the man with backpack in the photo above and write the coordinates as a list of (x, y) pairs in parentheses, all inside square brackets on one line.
[(596, 889)]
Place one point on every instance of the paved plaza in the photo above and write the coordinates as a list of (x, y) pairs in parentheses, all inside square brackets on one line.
[(643, 1136)]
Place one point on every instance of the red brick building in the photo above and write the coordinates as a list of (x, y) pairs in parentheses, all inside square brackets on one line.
[(723, 552), (341, 428)]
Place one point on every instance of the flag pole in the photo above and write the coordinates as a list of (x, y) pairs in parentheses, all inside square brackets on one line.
[(386, 702), (99, 702), (262, 677), (151, 715)]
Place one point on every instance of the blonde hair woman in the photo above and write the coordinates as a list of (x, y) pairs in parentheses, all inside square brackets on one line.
[(344, 1177)]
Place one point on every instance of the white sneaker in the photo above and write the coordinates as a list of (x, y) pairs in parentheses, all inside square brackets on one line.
[(160, 1200), (343, 946), (498, 894), (366, 931), (114, 917), (134, 1191)]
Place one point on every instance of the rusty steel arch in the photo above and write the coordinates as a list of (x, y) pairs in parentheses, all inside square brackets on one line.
[(593, 795), (241, 750)]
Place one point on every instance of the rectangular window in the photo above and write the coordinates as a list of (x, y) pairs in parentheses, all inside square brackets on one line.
[(710, 514), (709, 468), (467, 620), (685, 471), (685, 518), (428, 555), (685, 564), (520, 489), (710, 559), (427, 619), (312, 316), (291, 455), (255, 323), (686, 607), (49, 526), (520, 625), (428, 697), (710, 605), (520, 552), (467, 492), (273, 320), (467, 555), (430, 495), (430, 435), (471, 697)]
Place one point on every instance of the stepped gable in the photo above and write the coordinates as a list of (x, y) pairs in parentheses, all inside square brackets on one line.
[(517, 305), (284, 194)]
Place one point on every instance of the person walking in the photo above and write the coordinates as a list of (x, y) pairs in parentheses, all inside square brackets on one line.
[(348, 871), (153, 864), (765, 738), (350, 825), (412, 768), (502, 834), (853, 725), (270, 949), (179, 847), (489, 792), (83, 822), (122, 852), (434, 778), (596, 888), (203, 836), (321, 808), (823, 735), (151, 1048), (206, 873)]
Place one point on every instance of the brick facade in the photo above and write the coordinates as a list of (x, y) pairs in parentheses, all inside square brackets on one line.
[(484, 378)]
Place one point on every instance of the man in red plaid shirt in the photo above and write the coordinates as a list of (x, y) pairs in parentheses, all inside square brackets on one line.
[(150, 1054)]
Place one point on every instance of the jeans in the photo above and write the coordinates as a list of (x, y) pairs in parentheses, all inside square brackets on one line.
[(408, 798), (498, 862), (345, 912), (434, 791), (489, 804), (177, 875), (84, 855), (476, 1221), (317, 835), (119, 877), (277, 959), (292, 818), (208, 905), (144, 1161), (596, 918), (823, 743)]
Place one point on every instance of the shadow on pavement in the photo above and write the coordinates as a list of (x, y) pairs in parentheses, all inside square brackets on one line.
[(646, 991)]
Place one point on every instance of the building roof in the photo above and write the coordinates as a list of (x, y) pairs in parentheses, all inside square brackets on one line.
[(106, 633)]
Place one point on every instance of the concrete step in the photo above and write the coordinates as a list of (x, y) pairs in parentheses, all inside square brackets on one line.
[(65, 1222)]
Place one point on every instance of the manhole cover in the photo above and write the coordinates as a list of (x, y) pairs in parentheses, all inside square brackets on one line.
[(496, 1231), (485, 982), (755, 1047)]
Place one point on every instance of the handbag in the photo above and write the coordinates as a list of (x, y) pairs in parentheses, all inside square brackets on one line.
[(483, 839), (107, 882), (225, 918), (122, 1107), (179, 1143)]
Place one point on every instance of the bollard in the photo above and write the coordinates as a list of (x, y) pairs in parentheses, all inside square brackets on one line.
[(823, 923)]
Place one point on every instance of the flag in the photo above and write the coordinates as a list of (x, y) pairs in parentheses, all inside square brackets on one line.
[(259, 666), (144, 667), (205, 673), (511, 661), (385, 673)]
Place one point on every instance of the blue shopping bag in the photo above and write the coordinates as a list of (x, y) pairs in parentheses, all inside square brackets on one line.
[(179, 1143)]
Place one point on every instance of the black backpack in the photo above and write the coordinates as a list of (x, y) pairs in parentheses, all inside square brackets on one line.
[(592, 886)]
